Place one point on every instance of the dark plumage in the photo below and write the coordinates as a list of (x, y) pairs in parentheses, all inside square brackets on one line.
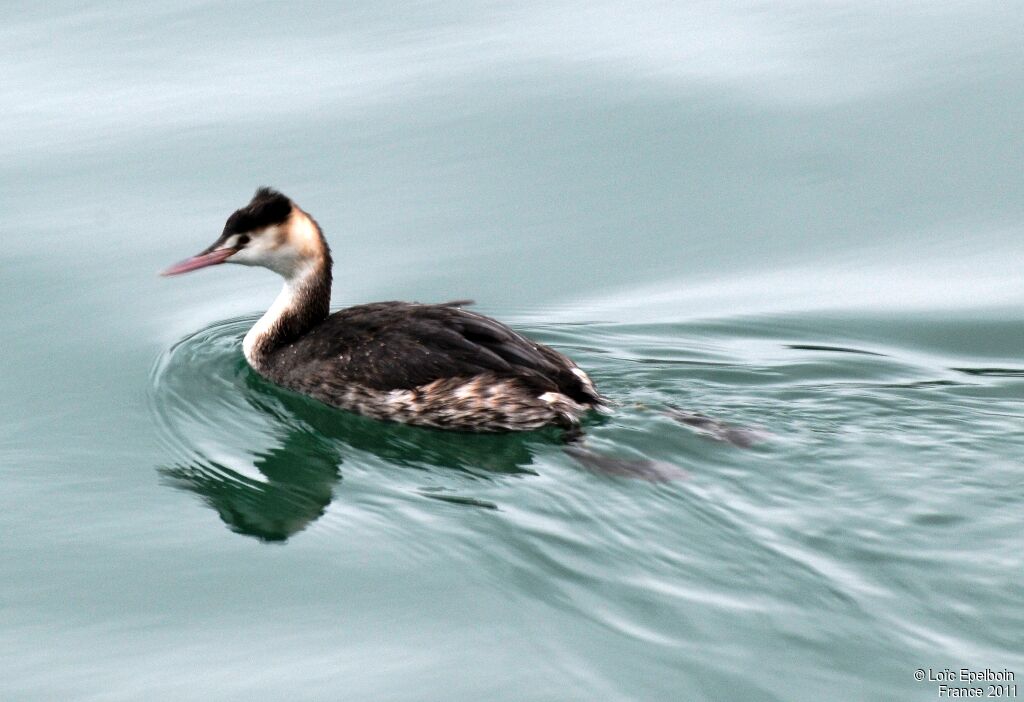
[(435, 365), (355, 358), (267, 207), (401, 345)]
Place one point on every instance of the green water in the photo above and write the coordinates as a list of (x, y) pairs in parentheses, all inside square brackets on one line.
[(799, 219)]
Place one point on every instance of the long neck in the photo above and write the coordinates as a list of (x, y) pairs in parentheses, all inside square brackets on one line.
[(303, 302)]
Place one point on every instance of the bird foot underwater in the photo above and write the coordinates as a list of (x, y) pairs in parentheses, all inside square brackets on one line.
[(660, 471), (716, 429)]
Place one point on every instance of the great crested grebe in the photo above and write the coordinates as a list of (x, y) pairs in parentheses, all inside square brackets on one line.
[(433, 365)]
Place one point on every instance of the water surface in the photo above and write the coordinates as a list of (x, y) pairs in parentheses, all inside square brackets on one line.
[(794, 221)]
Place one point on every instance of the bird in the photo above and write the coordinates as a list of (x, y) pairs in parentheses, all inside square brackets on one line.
[(432, 365)]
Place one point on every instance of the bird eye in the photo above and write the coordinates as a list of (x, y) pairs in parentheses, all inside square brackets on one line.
[(243, 239)]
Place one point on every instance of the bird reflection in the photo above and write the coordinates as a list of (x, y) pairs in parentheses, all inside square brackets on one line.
[(302, 470), (300, 475)]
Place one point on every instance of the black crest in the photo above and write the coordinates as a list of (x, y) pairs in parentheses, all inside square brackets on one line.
[(266, 208)]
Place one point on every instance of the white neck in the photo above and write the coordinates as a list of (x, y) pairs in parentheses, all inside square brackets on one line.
[(286, 301)]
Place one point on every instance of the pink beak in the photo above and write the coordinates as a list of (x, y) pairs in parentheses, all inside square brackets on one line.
[(211, 258)]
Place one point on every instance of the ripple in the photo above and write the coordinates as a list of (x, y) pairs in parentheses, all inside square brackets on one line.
[(993, 372), (269, 460), (264, 472), (859, 469), (833, 349)]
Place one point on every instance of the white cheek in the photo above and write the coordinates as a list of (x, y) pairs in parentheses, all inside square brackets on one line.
[(249, 256), (259, 252)]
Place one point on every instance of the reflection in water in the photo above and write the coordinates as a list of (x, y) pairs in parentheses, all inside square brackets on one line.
[(278, 456), (298, 475)]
